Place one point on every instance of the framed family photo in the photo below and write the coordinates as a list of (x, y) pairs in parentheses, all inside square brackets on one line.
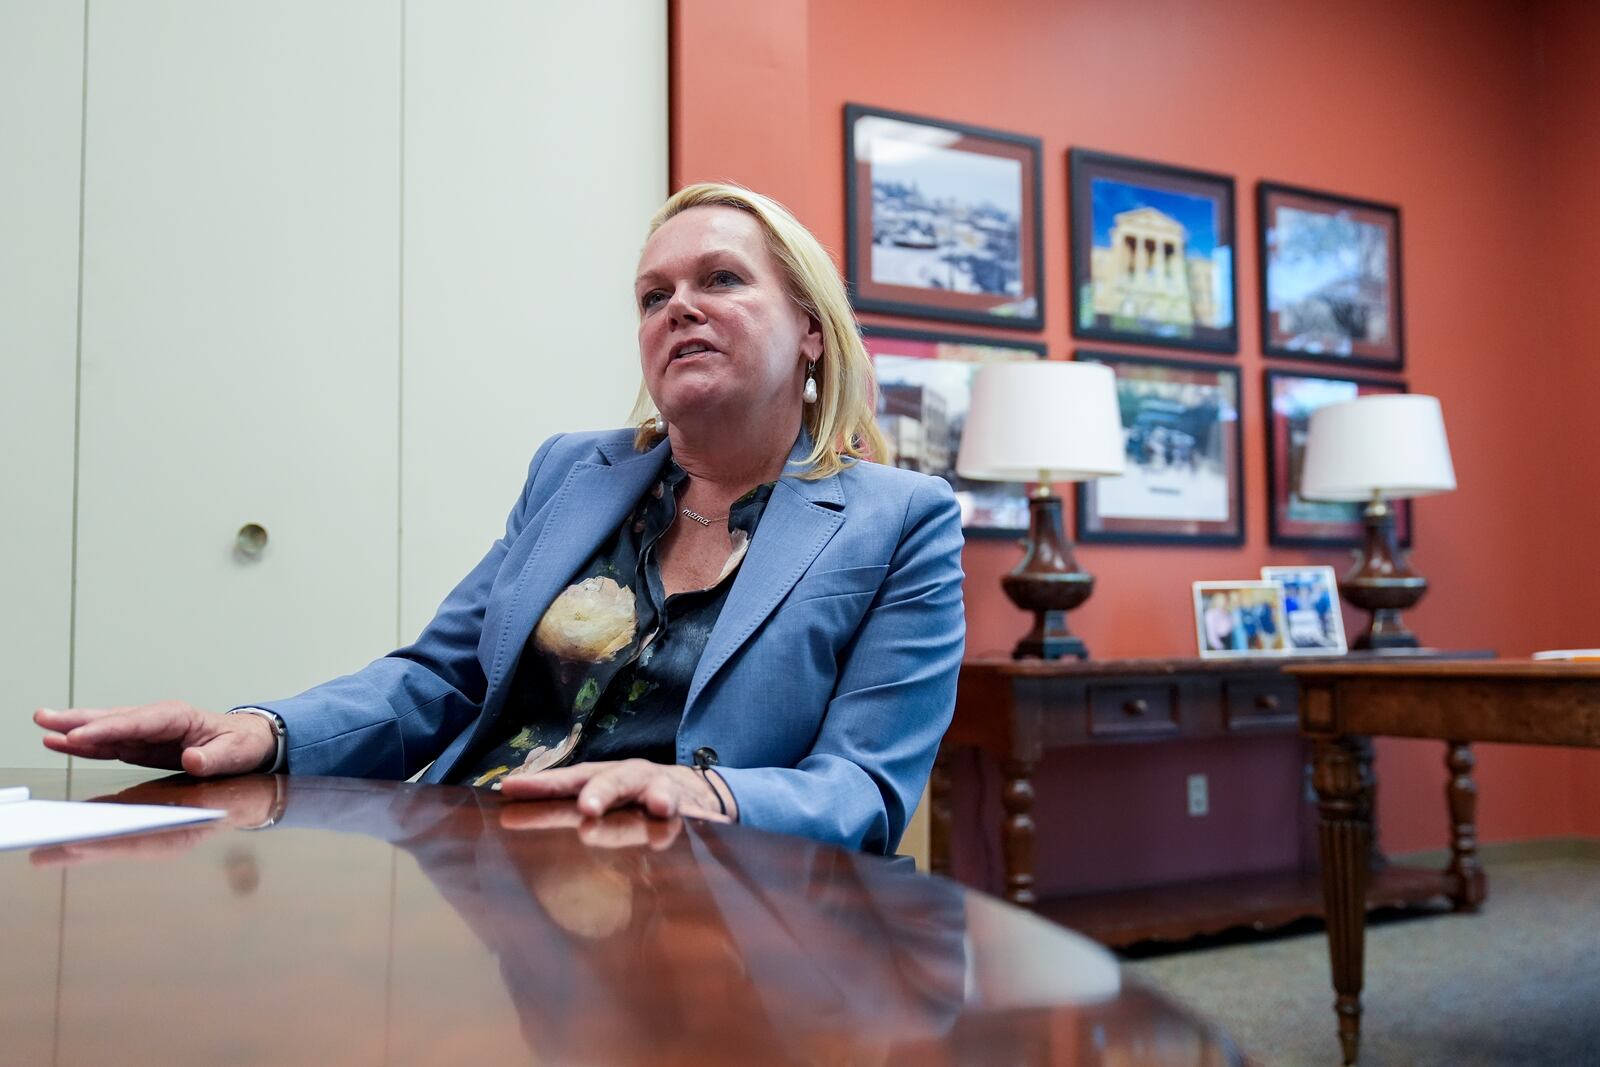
[(1184, 478), (943, 220), (1292, 519), (1152, 253), (1234, 620), (924, 390), (1330, 277), (1315, 626)]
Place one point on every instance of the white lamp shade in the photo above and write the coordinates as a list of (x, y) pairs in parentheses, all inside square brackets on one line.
[(1393, 445), (1044, 416)]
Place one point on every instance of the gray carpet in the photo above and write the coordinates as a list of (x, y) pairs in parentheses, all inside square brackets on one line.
[(1517, 984)]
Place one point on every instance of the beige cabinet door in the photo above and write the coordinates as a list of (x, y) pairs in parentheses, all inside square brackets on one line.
[(41, 112), (535, 154), (239, 347)]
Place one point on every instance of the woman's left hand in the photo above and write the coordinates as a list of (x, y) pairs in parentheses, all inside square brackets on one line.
[(663, 790)]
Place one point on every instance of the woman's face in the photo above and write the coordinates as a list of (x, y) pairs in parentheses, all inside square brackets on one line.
[(718, 335)]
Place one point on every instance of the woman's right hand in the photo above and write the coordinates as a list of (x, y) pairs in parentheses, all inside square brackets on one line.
[(170, 735)]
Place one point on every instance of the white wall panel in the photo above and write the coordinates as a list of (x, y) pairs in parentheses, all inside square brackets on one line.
[(240, 339), (535, 153), (41, 108)]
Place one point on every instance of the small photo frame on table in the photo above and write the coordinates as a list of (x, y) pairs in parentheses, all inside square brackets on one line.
[(1292, 520), (943, 220), (1236, 620), (924, 390), (1184, 477), (1330, 277), (1152, 253), (1310, 609)]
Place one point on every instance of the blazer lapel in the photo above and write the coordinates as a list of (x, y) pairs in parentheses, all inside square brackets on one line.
[(587, 509), (800, 518)]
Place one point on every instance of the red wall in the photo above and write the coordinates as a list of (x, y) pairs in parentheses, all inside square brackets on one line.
[(1482, 120), (1568, 113)]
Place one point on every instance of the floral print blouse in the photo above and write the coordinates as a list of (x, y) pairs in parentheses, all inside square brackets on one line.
[(606, 672)]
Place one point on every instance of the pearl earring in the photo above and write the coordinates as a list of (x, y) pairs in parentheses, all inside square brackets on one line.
[(810, 393), (660, 425)]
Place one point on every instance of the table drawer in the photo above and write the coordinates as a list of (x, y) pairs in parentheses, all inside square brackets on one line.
[(1261, 704), (1132, 710)]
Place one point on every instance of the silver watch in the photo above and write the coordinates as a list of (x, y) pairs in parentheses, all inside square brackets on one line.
[(279, 733)]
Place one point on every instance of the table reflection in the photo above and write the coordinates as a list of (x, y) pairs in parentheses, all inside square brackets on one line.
[(626, 939)]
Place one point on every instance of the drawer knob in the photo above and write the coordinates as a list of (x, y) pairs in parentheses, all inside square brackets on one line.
[(1136, 707), (250, 540), (1267, 701)]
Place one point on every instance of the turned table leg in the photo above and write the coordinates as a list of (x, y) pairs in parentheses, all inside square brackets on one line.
[(1346, 840), (1017, 797), (1365, 755), (939, 817), (1469, 886)]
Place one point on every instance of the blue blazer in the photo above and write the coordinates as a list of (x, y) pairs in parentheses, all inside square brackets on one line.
[(824, 687)]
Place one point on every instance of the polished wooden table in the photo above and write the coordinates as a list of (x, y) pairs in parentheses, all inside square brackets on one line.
[(342, 921), (1454, 702)]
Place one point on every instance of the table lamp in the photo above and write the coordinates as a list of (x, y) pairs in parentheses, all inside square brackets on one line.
[(1379, 449), (1044, 421)]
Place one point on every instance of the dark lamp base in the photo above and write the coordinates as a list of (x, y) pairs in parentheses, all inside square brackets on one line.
[(1383, 583), (1049, 584), (1058, 647), (1378, 642)]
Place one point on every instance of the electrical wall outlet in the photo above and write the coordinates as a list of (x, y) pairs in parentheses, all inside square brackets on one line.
[(1199, 795)]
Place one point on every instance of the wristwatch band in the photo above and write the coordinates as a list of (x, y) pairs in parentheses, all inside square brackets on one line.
[(279, 732)]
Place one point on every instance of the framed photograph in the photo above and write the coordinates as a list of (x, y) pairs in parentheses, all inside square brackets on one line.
[(1233, 620), (1152, 253), (1310, 609), (1330, 277), (942, 220), (924, 390), (1292, 519), (1184, 480)]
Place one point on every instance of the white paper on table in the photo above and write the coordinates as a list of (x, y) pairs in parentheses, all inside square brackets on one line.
[(28, 823)]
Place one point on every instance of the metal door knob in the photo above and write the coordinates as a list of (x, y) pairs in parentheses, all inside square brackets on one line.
[(250, 540)]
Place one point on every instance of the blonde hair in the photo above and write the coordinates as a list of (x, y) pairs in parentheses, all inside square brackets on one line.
[(842, 423)]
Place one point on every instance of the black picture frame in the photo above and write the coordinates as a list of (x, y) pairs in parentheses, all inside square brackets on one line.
[(1296, 523), (1187, 453), (1195, 306), (1340, 299), (914, 254), (988, 509)]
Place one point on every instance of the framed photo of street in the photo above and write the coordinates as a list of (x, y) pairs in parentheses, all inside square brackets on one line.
[(1292, 520), (1184, 480), (924, 390), (1330, 277), (943, 220), (1152, 253)]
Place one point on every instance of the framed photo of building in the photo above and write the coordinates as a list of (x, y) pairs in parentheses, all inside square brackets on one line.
[(1184, 480), (1237, 620), (1330, 277), (1292, 520), (924, 390), (943, 220), (1152, 253), (1315, 625)]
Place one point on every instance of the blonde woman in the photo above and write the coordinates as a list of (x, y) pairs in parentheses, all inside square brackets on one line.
[(726, 611)]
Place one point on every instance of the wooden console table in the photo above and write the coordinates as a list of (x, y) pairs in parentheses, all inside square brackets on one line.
[(1017, 709), (1457, 703)]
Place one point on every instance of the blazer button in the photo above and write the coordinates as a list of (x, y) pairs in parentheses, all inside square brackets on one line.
[(705, 756)]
